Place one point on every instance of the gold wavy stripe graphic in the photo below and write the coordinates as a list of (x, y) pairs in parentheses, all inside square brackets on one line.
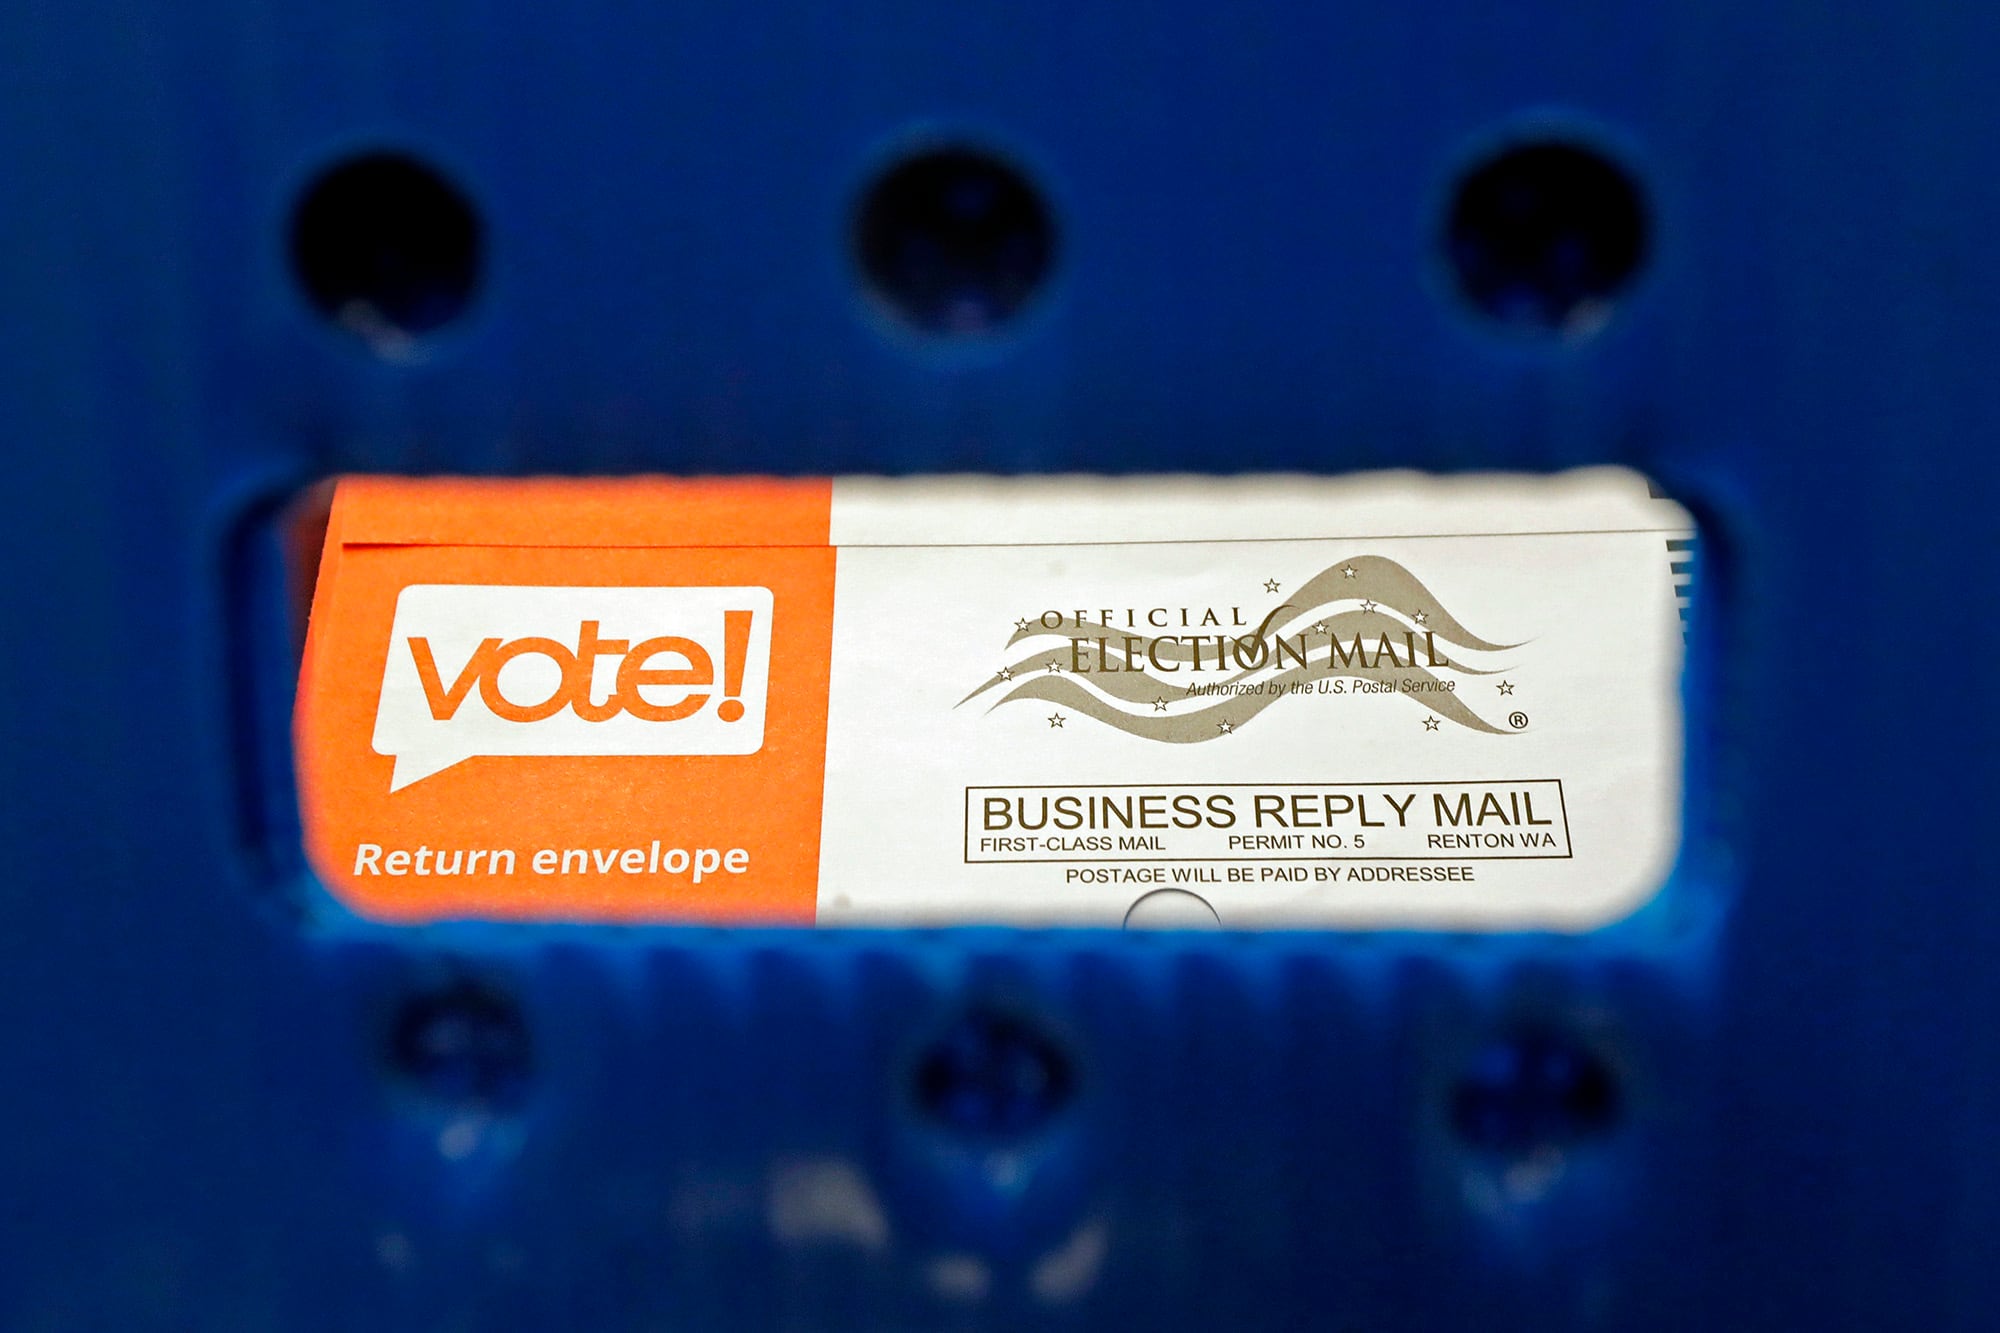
[(1375, 578), (1135, 681)]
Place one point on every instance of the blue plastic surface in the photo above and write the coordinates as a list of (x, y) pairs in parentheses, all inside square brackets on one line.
[(218, 1116)]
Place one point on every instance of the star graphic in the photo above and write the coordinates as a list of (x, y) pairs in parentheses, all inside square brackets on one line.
[(1321, 627), (1420, 617), (1505, 688), (1020, 624), (1225, 727), (1347, 571), (1055, 719), (1270, 585), (1430, 724), (1367, 605), (1005, 673), (1159, 705), (1055, 666)]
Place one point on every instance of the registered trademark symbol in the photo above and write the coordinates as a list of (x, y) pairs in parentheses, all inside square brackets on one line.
[(1517, 720)]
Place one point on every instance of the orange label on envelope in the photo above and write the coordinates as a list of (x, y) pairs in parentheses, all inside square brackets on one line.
[(569, 700)]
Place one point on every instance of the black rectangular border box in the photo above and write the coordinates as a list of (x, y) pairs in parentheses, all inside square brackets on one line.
[(965, 826)]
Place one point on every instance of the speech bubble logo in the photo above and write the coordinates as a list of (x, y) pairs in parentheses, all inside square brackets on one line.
[(485, 670)]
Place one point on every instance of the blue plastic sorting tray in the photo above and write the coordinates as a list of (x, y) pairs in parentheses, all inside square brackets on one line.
[(1769, 1102)]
